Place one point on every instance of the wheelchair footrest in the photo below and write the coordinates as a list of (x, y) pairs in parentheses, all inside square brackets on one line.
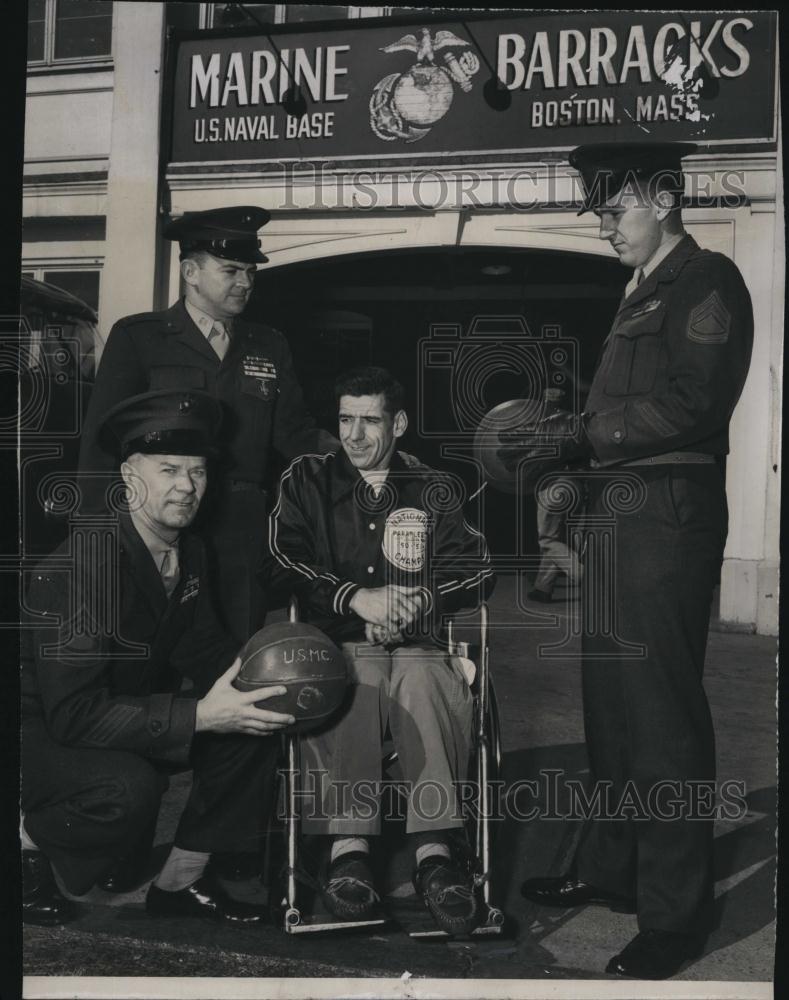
[(312, 925), (482, 931), (492, 926)]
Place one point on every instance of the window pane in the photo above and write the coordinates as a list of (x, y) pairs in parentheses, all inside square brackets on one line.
[(314, 12), (83, 28), (83, 284), (35, 30), (227, 14)]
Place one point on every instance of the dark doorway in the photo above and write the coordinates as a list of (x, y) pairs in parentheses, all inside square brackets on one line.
[(423, 314)]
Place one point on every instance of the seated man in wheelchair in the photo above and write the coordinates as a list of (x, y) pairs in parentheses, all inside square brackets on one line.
[(377, 552)]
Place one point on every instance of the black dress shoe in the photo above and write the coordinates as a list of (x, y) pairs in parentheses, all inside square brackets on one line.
[(540, 595), (654, 954), (42, 901), (206, 899), (349, 889), (448, 893), (566, 890)]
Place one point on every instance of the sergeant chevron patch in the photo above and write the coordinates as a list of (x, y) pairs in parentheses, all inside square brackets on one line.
[(710, 321)]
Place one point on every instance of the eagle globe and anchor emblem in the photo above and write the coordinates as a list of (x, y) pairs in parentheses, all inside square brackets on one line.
[(407, 105)]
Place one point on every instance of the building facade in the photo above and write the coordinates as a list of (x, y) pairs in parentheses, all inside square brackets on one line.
[(413, 161)]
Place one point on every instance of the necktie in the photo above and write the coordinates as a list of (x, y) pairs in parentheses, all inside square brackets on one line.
[(635, 281), (218, 338), (170, 571)]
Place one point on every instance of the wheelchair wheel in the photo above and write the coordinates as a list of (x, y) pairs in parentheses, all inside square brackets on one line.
[(494, 733)]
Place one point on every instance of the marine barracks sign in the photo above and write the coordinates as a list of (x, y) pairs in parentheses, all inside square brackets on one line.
[(409, 90)]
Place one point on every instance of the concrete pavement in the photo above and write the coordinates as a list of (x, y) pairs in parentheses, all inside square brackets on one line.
[(542, 730)]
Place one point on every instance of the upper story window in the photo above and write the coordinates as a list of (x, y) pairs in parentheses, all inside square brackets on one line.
[(226, 15), (50, 320), (69, 31), (82, 282)]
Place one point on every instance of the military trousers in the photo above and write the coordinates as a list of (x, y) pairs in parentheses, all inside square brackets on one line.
[(235, 529), (85, 808), (423, 697), (647, 721)]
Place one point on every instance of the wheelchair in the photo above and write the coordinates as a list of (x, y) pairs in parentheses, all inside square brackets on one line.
[(484, 768)]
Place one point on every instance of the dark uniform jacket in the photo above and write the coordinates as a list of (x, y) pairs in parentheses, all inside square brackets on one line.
[(262, 402), (675, 362), (329, 537), (121, 691)]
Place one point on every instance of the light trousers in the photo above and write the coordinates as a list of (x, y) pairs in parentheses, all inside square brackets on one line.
[(421, 694)]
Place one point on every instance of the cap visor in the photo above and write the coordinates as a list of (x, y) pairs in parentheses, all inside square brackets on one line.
[(586, 206)]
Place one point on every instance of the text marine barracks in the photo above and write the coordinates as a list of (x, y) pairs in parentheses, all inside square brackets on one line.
[(375, 92)]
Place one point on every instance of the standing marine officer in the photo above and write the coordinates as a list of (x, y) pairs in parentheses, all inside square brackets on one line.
[(202, 343), (656, 420), (105, 716)]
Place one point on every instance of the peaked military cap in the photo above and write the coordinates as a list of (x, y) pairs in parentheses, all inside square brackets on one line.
[(163, 422), (607, 167), (231, 233)]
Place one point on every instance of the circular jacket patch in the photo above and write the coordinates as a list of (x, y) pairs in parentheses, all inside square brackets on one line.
[(405, 539)]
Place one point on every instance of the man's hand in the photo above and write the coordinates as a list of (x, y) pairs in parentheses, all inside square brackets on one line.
[(564, 433), (393, 607), (226, 710), (380, 635)]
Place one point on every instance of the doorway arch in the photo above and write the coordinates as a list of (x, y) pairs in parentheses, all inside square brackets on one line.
[(463, 328)]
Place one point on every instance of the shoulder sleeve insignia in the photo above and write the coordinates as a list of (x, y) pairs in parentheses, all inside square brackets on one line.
[(710, 321)]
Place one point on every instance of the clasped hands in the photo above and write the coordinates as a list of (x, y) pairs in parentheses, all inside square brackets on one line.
[(387, 611), (562, 431)]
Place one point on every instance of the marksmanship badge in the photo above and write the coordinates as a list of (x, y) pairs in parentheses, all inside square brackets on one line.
[(405, 539), (264, 371)]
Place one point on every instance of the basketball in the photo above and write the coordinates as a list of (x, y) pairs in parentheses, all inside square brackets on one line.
[(302, 659), (505, 417)]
